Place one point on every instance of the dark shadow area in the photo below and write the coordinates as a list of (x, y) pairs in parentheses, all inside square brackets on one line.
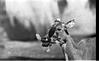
[(2, 8), (28, 58), (18, 32), (62, 5), (92, 3), (78, 38)]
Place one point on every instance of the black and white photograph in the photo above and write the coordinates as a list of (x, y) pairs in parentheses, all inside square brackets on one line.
[(48, 30)]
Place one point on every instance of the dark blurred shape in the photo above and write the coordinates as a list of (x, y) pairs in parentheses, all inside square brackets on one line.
[(92, 3), (62, 5), (91, 36), (19, 32), (2, 8), (36, 59)]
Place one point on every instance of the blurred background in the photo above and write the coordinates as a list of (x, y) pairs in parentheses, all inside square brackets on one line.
[(20, 20)]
